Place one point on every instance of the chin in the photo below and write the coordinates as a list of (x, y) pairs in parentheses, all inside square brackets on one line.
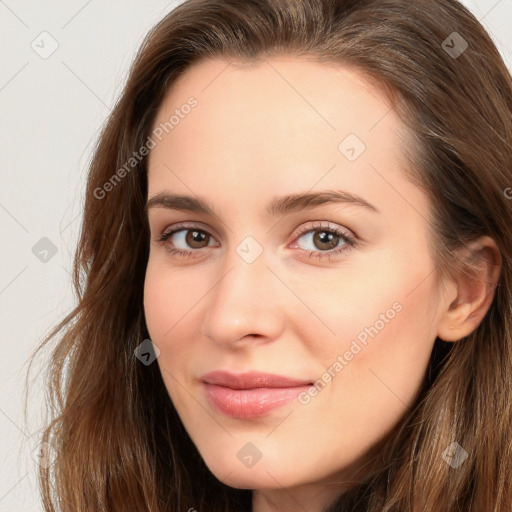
[(246, 479), (263, 475)]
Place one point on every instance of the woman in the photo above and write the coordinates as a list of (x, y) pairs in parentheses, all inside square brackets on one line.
[(294, 269)]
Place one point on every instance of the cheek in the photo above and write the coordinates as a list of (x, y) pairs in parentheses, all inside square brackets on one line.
[(381, 302), (167, 309), (376, 364), (174, 308), (381, 328), (169, 297), (158, 304)]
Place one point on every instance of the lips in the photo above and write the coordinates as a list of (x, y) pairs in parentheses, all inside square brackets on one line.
[(250, 395)]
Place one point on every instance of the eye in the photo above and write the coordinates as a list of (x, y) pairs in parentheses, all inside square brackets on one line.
[(186, 236), (324, 241)]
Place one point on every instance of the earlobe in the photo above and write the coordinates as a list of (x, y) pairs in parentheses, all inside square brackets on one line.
[(474, 293), (456, 323)]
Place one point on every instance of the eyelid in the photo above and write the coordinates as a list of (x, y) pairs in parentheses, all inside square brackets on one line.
[(189, 225), (319, 225)]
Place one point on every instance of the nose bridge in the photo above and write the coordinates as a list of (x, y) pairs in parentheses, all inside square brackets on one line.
[(244, 300)]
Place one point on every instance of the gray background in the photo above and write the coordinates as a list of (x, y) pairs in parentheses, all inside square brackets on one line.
[(51, 112)]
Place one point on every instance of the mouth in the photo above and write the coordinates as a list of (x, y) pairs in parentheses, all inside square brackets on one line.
[(250, 395)]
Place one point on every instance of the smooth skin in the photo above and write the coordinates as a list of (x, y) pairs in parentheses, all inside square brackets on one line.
[(261, 132)]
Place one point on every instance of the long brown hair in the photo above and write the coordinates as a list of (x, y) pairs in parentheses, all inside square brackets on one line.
[(118, 442)]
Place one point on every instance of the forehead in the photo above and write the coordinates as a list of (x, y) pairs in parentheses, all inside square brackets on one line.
[(282, 122), (317, 98)]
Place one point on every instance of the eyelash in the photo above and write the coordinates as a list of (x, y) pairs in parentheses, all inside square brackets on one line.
[(350, 241)]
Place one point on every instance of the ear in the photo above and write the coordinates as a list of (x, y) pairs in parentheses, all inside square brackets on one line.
[(473, 293)]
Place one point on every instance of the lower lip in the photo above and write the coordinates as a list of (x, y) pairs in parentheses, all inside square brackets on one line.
[(250, 403)]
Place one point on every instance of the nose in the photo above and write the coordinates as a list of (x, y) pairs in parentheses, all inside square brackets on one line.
[(244, 305)]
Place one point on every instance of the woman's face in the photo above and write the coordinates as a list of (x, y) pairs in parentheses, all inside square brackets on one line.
[(289, 274)]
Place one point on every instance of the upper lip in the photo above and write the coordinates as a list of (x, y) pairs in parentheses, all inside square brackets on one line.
[(251, 380)]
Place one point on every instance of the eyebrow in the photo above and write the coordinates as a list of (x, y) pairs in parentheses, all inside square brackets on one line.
[(278, 205)]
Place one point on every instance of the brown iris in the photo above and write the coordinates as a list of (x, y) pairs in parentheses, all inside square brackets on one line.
[(195, 237), (325, 237)]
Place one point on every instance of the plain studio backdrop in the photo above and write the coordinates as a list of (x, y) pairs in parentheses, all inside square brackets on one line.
[(63, 64)]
